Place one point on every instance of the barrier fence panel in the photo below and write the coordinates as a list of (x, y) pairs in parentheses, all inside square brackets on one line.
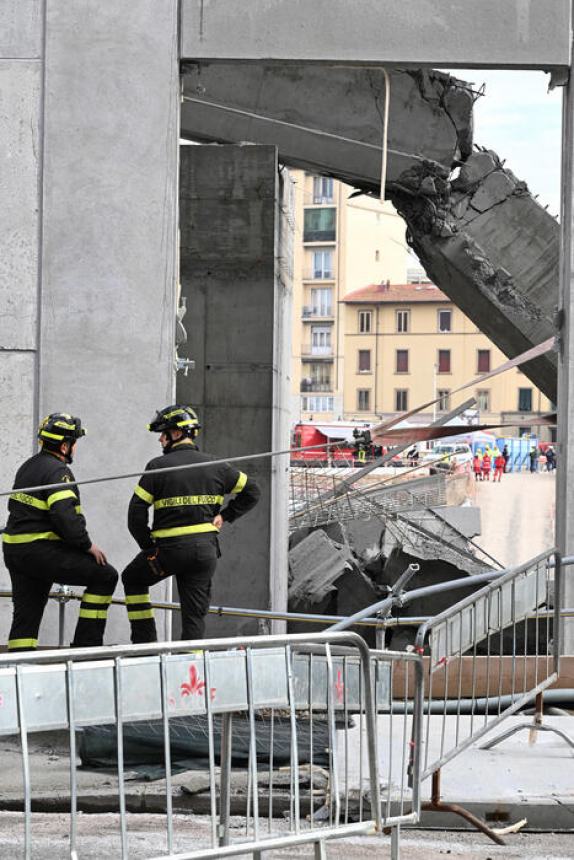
[(297, 714), (487, 656)]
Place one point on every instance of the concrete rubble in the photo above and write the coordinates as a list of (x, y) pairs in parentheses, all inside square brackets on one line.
[(341, 568)]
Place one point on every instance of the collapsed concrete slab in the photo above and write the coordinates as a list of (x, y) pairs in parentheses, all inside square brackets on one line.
[(314, 565)]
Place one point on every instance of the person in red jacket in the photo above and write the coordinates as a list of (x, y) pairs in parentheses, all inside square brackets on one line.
[(499, 466), (486, 466)]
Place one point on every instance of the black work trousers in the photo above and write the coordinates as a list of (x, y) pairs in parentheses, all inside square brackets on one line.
[(34, 568), (192, 561)]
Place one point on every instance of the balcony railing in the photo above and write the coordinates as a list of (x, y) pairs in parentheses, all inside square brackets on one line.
[(318, 275), (315, 386), (309, 312), (317, 351)]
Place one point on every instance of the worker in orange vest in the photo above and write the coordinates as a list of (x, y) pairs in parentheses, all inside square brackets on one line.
[(477, 465), (486, 466), (499, 466)]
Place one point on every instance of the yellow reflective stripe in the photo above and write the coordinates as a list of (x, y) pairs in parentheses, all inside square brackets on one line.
[(186, 423), (64, 425), (28, 538), (185, 530), (180, 501), (26, 499), (60, 496), (51, 435), (137, 598), (22, 643), (96, 598), (94, 614), (78, 509), (241, 481), (140, 614), (143, 494)]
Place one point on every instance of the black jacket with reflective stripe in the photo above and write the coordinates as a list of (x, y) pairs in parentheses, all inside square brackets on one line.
[(185, 502), (53, 514)]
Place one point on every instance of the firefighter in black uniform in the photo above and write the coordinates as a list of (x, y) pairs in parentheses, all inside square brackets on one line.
[(187, 518), (46, 541)]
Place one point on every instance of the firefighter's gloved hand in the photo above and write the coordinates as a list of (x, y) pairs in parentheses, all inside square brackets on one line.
[(98, 554), (218, 521)]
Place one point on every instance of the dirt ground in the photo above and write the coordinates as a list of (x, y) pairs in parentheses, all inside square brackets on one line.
[(98, 838), (518, 515)]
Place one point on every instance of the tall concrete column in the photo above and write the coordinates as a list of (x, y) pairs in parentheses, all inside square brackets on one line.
[(89, 218), (236, 240), (565, 471)]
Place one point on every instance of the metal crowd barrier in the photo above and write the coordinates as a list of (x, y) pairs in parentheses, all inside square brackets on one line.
[(498, 644), (327, 685)]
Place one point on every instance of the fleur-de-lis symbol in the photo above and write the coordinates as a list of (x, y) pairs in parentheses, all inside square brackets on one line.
[(340, 687), (195, 687)]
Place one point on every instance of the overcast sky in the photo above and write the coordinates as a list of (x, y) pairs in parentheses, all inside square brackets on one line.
[(521, 121)]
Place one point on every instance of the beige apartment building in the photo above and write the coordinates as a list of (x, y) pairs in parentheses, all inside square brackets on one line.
[(341, 243), (406, 344)]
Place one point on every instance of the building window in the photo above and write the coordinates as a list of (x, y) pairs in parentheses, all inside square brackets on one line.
[(525, 400), (321, 340), (322, 264), (443, 399), (321, 302), (403, 319), (402, 361), (317, 404), (444, 361), (320, 225), (483, 361), (445, 321), (322, 189), (483, 400), (364, 361), (365, 322), (401, 399), (363, 399), (318, 378)]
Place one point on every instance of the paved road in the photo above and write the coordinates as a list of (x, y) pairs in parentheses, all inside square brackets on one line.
[(518, 515), (98, 839)]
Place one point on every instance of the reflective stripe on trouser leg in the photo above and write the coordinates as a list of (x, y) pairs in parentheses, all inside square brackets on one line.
[(22, 644), (92, 619), (141, 617)]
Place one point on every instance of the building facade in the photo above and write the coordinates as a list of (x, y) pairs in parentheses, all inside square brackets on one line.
[(341, 243), (408, 344)]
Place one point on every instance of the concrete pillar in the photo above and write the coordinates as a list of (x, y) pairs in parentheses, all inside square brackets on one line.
[(565, 471), (92, 129), (235, 272)]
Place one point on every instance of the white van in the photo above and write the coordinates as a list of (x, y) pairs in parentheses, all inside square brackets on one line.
[(448, 456)]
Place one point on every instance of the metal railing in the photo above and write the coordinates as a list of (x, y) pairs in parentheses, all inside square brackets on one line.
[(484, 628), (493, 653), (326, 690)]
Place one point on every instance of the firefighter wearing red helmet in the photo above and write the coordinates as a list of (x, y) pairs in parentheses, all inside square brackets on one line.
[(188, 513), (46, 540)]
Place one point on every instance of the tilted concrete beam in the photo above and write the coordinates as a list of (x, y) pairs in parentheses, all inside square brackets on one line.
[(489, 33), (494, 251), (482, 237), (330, 120)]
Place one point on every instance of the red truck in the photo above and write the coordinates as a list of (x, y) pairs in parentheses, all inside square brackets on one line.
[(344, 452)]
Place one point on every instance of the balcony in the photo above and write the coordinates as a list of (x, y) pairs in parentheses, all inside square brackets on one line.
[(307, 385), (312, 313), (318, 275), (320, 352)]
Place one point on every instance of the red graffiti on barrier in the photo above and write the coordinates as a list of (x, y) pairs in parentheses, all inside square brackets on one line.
[(196, 686), (340, 687)]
